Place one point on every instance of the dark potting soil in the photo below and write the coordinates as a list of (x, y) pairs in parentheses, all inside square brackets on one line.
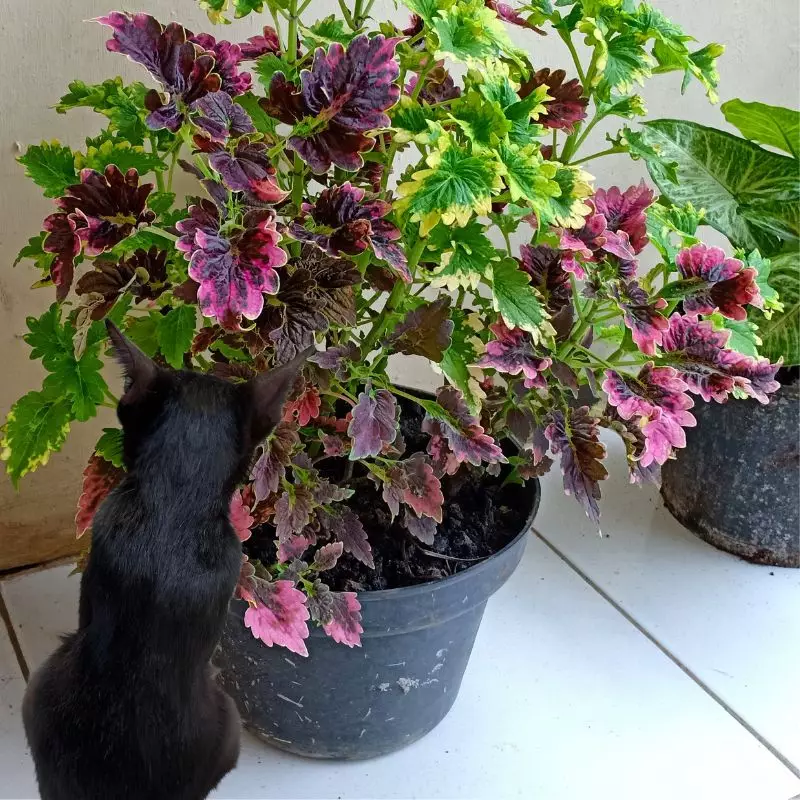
[(480, 517)]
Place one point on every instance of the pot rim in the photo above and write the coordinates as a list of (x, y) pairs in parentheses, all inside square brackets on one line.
[(376, 595)]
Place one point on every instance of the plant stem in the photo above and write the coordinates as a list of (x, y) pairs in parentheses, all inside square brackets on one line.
[(159, 175), (566, 37), (608, 152), (175, 153), (554, 154), (162, 233), (346, 14)]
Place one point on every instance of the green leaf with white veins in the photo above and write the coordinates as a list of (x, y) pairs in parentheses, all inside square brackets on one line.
[(749, 194), (517, 301), (771, 125)]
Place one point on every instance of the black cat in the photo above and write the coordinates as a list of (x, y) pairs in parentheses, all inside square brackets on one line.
[(127, 707)]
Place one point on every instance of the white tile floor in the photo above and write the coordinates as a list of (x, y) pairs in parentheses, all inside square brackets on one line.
[(640, 666)]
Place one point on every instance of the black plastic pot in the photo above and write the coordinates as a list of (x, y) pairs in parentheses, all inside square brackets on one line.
[(364, 702), (737, 482)]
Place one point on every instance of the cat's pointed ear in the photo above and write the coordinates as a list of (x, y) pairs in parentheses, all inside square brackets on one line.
[(267, 393), (140, 370)]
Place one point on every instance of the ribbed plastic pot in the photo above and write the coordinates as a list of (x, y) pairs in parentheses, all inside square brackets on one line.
[(363, 702), (736, 484)]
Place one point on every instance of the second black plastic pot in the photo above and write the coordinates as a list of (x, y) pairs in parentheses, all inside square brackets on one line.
[(364, 702)]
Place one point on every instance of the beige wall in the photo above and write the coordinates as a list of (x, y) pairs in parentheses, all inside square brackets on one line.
[(44, 44)]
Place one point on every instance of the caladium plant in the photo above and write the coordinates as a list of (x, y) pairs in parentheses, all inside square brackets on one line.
[(302, 230)]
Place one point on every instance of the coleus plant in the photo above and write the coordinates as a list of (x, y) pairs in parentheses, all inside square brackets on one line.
[(300, 232)]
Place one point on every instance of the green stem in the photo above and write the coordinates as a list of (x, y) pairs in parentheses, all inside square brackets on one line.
[(507, 240), (175, 153), (346, 14), (159, 175), (594, 356), (566, 37), (554, 155), (610, 151), (587, 130), (162, 233)]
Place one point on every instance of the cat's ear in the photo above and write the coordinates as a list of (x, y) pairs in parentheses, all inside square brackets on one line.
[(267, 393), (140, 370)]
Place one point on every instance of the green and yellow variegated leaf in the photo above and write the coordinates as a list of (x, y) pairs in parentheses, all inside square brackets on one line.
[(771, 125), (627, 106), (749, 194), (497, 87), (763, 266), (671, 228), (466, 255), (471, 34), (36, 426), (701, 64), (517, 302), (780, 334), (458, 364), (482, 121), (620, 60), (527, 175), (567, 208), (455, 186), (409, 121), (639, 148)]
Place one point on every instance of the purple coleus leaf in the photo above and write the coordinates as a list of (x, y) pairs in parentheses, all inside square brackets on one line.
[(424, 331), (422, 528), (511, 352), (633, 438), (345, 624), (97, 213), (721, 283), (327, 556), (278, 614), (234, 273), (343, 222), (293, 511), (625, 211), (592, 242), (438, 87), (270, 468), (657, 398), (227, 57), (260, 45), (575, 439), (247, 169), (348, 91), (342, 523), (568, 106), (700, 355), (220, 118), (335, 358), (414, 483), (461, 430), (184, 69), (374, 423), (641, 314)]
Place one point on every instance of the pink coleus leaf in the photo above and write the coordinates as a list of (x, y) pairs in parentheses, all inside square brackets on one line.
[(240, 517), (342, 523), (303, 408), (625, 211), (99, 478), (245, 586), (345, 625), (423, 489), (719, 282), (374, 423), (641, 314), (270, 468), (278, 615), (512, 352), (327, 556), (394, 488), (292, 547), (464, 434), (332, 445), (422, 528)]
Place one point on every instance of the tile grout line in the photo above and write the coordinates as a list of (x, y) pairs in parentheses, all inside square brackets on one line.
[(5, 616), (668, 653)]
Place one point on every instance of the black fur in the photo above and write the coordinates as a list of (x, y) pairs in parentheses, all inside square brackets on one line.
[(127, 707)]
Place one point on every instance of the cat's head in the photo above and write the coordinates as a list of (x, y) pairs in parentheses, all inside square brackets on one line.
[(191, 425)]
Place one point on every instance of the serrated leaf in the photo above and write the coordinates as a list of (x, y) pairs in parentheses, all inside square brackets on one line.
[(466, 255), (517, 302), (34, 251), (109, 446), (175, 334), (456, 186), (426, 9), (568, 208), (771, 125), (160, 202), (457, 361), (763, 267), (743, 334), (51, 166), (36, 426), (262, 121), (749, 194), (268, 65), (482, 121), (527, 176), (639, 148), (325, 32), (374, 423), (80, 380), (471, 34), (342, 523), (143, 331), (424, 331), (122, 154)]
